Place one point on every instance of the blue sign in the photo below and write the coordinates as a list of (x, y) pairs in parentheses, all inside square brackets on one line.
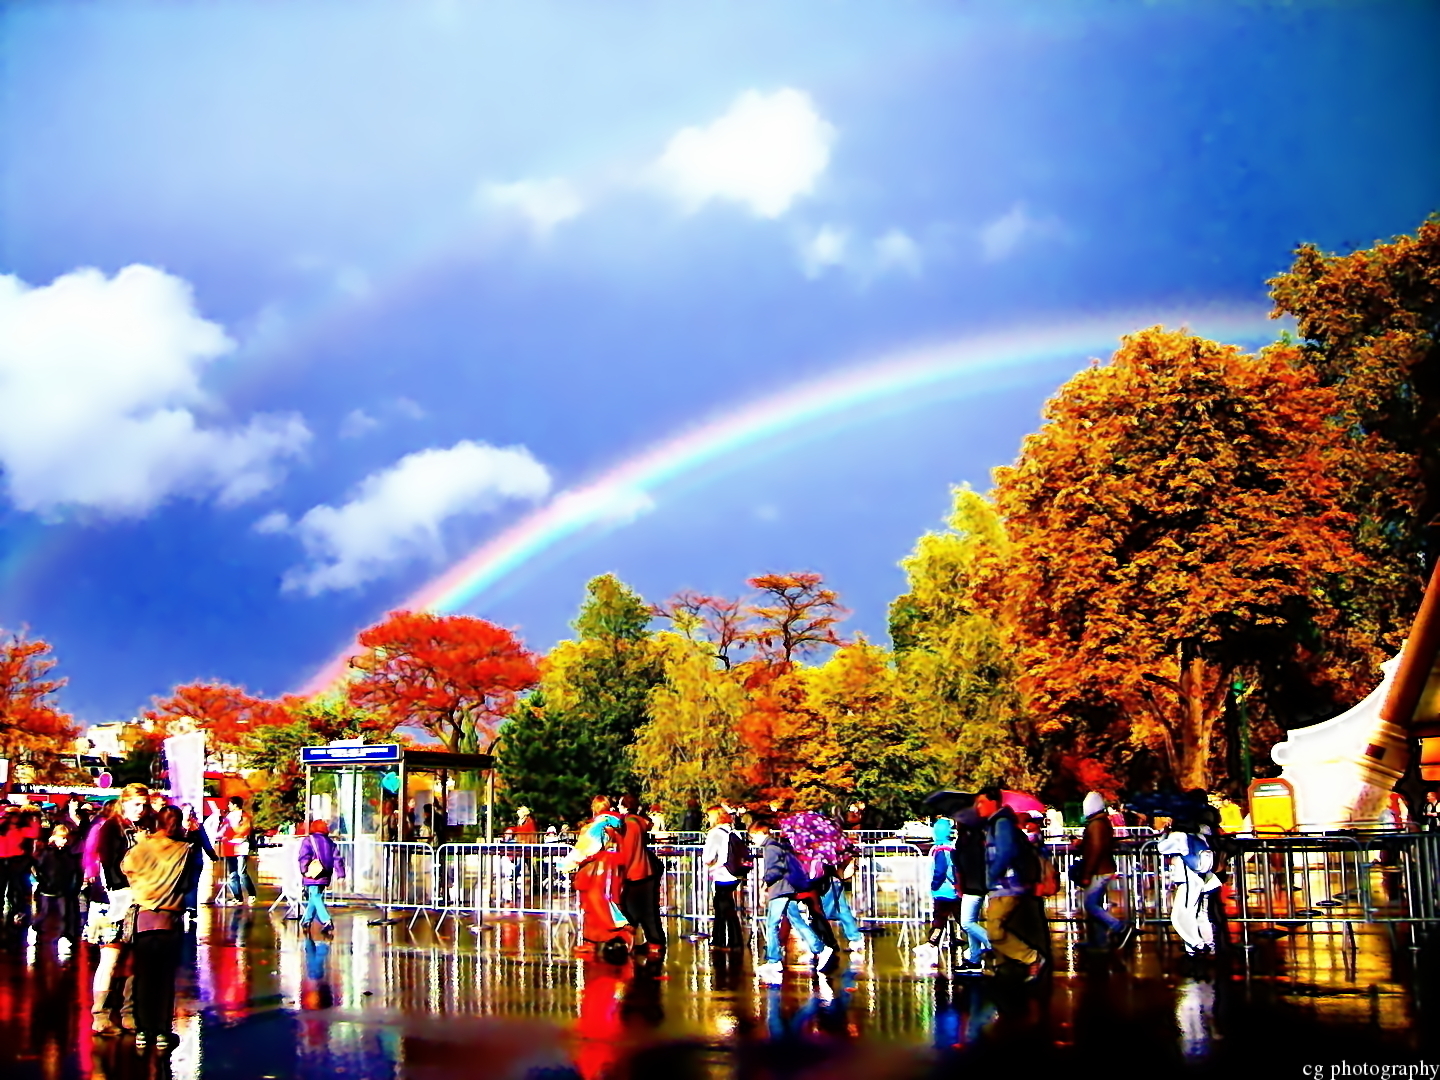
[(374, 754)]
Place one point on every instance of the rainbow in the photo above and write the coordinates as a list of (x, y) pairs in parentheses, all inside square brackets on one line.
[(617, 495)]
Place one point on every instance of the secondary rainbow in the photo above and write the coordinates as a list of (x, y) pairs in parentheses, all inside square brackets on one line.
[(617, 493)]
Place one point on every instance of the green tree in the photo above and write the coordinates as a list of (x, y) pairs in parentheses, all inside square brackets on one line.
[(689, 745), (546, 760), (857, 691), (595, 695), (956, 668)]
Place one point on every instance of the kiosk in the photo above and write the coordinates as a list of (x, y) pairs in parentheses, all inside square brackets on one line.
[(382, 794)]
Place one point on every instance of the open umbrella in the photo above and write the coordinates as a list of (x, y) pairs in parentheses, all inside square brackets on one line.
[(952, 802), (816, 838), (1021, 803)]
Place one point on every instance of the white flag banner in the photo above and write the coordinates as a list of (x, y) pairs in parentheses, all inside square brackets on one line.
[(185, 760)]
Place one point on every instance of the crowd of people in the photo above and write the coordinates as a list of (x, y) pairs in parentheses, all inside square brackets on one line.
[(125, 878)]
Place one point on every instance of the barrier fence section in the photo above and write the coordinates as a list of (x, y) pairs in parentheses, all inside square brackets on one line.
[(1328, 882)]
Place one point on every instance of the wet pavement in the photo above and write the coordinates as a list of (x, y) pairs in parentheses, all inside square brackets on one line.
[(260, 1001)]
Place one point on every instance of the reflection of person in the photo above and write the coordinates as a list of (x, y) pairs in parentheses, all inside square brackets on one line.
[(158, 870), (593, 862)]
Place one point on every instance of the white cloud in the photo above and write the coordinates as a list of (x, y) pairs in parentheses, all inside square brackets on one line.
[(273, 522), (1001, 238), (543, 204), (832, 247), (99, 380), (396, 514), (608, 506), (823, 250), (765, 152), (357, 422), (897, 251)]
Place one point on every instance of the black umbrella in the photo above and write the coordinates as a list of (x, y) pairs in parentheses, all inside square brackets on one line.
[(949, 802)]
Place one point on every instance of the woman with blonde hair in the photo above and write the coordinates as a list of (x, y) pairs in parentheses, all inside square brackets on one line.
[(114, 837), (595, 864), (159, 870)]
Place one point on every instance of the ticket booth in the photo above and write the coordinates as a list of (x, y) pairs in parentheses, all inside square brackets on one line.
[(372, 794)]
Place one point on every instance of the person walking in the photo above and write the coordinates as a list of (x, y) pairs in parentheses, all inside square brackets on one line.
[(836, 903), (640, 874), (969, 860), (113, 838), (1005, 887), (1190, 862), (944, 893), (593, 861), (1095, 851), (158, 868), (783, 876), (721, 858), (319, 861), (15, 860), (200, 850), (236, 829)]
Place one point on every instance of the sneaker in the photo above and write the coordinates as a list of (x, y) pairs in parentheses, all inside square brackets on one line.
[(927, 956), (823, 957), (1035, 970), (1126, 938), (770, 974)]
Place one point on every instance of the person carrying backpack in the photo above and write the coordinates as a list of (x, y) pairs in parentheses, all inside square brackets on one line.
[(1007, 853), (1094, 871), (783, 876), (1190, 862), (722, 857)]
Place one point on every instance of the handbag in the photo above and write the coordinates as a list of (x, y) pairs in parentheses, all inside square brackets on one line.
[(1076, 873), (314, 869)]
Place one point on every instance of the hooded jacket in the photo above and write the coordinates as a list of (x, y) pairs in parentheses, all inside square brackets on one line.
[(318, 846), (1002, 853), (944, 883), (780, 867)]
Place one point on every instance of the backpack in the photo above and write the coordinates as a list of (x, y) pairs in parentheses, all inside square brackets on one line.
[(1198, 856), (738, 860), (1036, 871)]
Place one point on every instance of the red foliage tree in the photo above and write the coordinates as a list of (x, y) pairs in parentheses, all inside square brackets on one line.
[(227, 714), (30, 722), (453, 675), (714, 619)]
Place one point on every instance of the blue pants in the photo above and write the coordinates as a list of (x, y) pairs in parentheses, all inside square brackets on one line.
[(837, 909), (239, 883), (971, 907), (776, 910), (315, 906), (1097, 910)]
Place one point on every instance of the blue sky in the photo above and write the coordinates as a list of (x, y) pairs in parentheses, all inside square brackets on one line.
[(299, 303)]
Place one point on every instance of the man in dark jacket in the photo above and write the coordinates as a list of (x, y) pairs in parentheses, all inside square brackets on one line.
[(1005, 887)]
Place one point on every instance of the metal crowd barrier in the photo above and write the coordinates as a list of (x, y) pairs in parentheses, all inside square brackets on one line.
[(1323, 882)]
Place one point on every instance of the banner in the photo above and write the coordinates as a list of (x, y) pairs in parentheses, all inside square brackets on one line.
[(185, 760)]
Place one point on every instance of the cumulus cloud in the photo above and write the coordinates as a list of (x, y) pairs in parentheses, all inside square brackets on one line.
[(824, 249), (767, 151), (99, 394), (543, 204), (396, 515), (1002, 237), (833, 248)]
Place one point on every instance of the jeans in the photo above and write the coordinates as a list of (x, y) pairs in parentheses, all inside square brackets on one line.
[(837, 909), (640, 902), (725, 934), (156, 957), (1099, 912), (315, 906), (971, 907), (780, 908), (239, 881)]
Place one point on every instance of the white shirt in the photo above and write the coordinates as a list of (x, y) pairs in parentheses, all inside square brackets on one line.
[(717, 846)]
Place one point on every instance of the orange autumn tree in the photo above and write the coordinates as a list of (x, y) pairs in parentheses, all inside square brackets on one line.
[(32, 726), (790, 750), (1175, 522), (453, 675)]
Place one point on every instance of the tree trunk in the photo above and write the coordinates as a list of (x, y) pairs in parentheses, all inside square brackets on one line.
[(1201, 710)]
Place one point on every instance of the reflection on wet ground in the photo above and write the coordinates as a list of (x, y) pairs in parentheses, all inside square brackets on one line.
[(260, 1000)]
